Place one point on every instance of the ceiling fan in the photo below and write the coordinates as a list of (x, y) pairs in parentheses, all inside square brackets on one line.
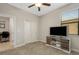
[(38, 5)]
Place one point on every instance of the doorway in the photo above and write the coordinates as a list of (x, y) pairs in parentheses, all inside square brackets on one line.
[(12, 29), (5, 43)]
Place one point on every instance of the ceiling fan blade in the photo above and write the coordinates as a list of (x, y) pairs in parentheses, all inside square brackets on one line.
[(31, 5), (38, 8), (46, 4)]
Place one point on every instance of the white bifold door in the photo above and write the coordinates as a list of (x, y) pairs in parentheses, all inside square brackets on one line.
[(27, 32)]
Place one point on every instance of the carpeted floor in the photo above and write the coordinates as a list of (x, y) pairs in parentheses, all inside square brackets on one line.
[(35, 48)]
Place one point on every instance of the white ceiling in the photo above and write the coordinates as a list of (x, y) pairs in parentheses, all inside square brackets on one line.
[(34, 10)]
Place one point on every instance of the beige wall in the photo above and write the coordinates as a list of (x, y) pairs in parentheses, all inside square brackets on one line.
[(20, 16), (54, 19)]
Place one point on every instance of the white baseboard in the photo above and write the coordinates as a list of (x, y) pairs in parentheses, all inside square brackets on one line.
[(76, 50), (19, 45), (43, 41), (15, 46)]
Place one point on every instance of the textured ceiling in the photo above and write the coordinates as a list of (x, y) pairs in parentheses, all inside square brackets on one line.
[(34, 10)]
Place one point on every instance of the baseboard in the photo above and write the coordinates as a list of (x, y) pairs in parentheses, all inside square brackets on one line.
[(76, 50), (19, 45), (43, 41), (15, 46)]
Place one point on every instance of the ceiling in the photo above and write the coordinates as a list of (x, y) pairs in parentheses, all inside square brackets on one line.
[(34, 10)]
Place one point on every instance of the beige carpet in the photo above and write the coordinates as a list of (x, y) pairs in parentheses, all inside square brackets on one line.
[(36, 48)]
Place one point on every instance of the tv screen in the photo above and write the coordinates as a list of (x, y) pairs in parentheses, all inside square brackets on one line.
[(61, 31)]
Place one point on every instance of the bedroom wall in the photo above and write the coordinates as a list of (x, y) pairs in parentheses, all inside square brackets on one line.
[(54, 19), (20, 16)]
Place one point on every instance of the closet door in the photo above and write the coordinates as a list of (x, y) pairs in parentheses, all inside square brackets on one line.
[(27, 31)]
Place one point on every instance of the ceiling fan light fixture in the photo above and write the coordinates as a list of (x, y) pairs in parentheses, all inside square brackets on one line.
[(38, 4)]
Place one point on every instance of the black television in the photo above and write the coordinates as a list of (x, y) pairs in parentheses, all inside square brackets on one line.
[(60, 31)]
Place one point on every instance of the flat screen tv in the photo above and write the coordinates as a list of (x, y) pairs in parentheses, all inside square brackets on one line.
[(60, 31)]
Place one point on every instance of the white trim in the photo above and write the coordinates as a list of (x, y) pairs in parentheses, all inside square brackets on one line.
[(75, 50), (15, 46), (12, 26), (24, 44)]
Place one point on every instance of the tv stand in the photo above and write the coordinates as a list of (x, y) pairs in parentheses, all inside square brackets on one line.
[(59, 42)]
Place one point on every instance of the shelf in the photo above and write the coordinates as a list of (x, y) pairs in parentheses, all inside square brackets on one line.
[(59, 48), (59, 43)]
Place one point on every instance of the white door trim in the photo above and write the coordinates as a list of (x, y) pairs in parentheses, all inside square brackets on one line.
[(12, 27)]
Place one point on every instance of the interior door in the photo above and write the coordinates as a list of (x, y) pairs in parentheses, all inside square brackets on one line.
[(27, 31)]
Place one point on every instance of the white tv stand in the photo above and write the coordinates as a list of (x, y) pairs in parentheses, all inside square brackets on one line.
[(59, 42)]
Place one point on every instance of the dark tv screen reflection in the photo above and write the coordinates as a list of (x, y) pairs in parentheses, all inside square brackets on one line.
[(60, 31)]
